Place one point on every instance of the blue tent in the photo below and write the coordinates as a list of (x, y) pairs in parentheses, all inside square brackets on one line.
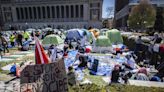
[(73, 34)]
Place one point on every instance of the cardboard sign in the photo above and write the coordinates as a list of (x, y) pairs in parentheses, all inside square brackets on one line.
[(44, 78)]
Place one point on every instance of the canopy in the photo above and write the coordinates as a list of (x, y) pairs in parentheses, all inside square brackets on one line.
[(115, 36), (103, 41), (73, 34), (52, 39)]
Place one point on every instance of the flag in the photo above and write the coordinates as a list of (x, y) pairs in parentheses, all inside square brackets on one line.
[(40, 55)]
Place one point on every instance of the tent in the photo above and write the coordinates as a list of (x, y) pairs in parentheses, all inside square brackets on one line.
[(103, 31), (52, 39), (73, 34), (96, 32), (103, 41), (115, 36)]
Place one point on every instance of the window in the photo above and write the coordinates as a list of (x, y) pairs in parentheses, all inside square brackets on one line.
[(53, 11), (39, 12), (62, 11), (18, 13), (34, 11), (57, 11), (30, 12), (22, 15), (26, 13), (72, 11), (48, 11), (81, 11), (43, 12), (77, 11), (67, 11)]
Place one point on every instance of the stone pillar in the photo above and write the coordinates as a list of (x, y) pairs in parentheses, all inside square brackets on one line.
[(50, 12), (65, 11), (37, 16), (41, 13), (60, 11), (46, 17), (32, 10), (69, 11), (24, 14), (14, 15), (74, 8), (86, 13), (55, 12)]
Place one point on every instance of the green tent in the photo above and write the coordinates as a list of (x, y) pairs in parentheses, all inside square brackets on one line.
[(103, 31), (52, 39), (103, 41), (115, 36)]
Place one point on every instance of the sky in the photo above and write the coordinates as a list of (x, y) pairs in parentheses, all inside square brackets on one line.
[(107, 3)]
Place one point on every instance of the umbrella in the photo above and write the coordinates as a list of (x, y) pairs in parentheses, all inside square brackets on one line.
[(52, 39)]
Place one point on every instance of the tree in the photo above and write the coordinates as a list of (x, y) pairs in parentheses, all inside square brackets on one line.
[(142, 16), (159, 20)]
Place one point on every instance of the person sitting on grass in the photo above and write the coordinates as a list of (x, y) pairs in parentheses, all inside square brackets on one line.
[(115, 74), (71, 76)]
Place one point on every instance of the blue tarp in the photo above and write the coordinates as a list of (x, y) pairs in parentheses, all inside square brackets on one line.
[(103, 68)]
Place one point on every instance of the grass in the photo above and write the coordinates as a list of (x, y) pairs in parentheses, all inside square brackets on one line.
[(113, 88), (95, 79), (16, 60)]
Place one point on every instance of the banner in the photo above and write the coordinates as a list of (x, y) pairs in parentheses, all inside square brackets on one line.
[(44, 78)]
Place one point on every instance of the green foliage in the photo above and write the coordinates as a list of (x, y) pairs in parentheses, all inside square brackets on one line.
[(142, 15)]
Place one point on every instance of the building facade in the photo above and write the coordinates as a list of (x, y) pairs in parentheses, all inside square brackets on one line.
[(122, 11), (55, 13)]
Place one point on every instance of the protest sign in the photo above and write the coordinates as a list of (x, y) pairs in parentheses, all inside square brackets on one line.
[(44, 78)]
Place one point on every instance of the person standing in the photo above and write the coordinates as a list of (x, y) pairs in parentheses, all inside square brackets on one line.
[(4, 43), (12, 40), (19, 39), (26, 35), (138, 46)]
